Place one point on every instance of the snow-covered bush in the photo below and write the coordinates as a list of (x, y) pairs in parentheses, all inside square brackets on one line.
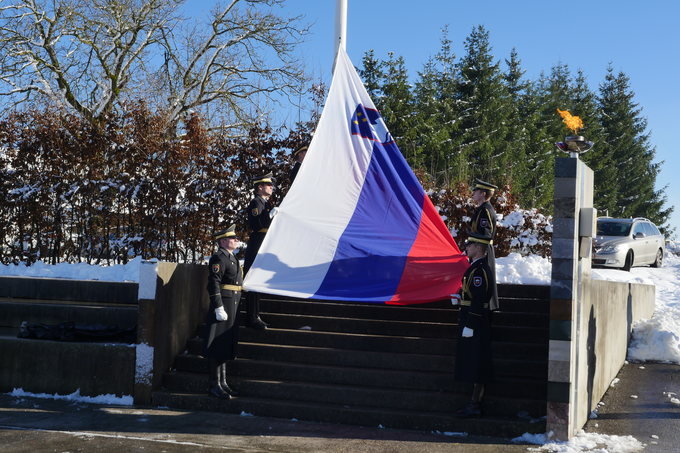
[(134, 185), (519, 231), (673, 247)]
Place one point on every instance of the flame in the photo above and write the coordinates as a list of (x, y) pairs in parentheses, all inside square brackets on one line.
[(573, 122)]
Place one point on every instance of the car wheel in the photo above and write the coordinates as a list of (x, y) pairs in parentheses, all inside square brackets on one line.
[(659, 259), (629, 262)]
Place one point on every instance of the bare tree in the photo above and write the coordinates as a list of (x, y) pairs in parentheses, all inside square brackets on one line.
[(88, 55)]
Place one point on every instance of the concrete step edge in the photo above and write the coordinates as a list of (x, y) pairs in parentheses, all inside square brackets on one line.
[(356, 415)]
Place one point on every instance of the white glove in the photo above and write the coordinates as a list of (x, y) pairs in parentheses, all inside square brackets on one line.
[(273, 212), (455, 299), (467, 332), (220, 314)]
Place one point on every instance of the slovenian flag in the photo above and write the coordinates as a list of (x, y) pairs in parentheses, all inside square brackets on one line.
[(356, 224)]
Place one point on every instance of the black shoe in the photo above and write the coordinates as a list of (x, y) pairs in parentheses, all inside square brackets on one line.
[(266, 324), (223, 380), (217, 392), (472, 410), (228, 389), (256, 324)]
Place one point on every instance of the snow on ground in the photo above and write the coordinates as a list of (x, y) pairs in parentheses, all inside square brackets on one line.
[(518, 269), (77, 397), (77, 271), (582, 442)]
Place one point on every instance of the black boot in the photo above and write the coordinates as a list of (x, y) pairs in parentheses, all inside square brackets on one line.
[(253, 312), (215, 379), (257, 311), (472, 410), (223, 381)]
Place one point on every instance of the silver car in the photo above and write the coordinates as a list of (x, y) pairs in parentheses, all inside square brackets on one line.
[(624, 243)]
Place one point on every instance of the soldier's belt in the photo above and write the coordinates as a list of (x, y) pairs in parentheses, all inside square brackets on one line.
[(263, 230), (466, 303), (231, 287)]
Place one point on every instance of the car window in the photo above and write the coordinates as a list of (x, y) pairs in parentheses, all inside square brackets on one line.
[(605, 228), (648, 229), (656, 230), (638, 229)]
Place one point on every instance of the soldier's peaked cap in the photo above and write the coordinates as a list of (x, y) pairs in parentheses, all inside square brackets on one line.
[(226, 233), (479, 184), (269, 177), (476, 237), (299, 150)]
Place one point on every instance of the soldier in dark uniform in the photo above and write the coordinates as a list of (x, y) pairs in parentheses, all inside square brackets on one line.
[(260, 214), (473, 349), (221, 329), (299, 155), (484, 223)]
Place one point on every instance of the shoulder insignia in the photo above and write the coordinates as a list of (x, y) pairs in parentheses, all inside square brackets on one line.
[(216, 268), (484, 223), (477, 281), (255, 211)]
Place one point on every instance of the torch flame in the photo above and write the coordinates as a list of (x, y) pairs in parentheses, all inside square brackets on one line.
[(573, 122)]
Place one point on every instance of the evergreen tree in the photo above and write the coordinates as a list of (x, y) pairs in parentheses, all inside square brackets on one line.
[(547, 128), (435, 117), (586, 107), (519, 114), (372, 76), (485, 108), (535, 188), (397, 107), (627, 143), (427, 124), (453, 165), (559, 95)]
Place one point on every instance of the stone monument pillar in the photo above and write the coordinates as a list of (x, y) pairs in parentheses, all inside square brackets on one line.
[(573, 222)]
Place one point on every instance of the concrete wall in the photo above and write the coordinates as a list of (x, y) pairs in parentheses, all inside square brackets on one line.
[(173, 301), (590, 320), (40, 366), (608, 312), (62, 367)]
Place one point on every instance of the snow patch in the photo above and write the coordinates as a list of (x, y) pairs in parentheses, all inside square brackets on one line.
[(144, 364), (109, 398), (583, 442)]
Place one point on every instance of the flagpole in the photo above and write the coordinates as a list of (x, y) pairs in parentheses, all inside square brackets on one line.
[(340, 37)]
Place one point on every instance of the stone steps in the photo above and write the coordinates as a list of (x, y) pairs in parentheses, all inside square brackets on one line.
[(372, 364), (352, 414), (14, 312), (96, 367)]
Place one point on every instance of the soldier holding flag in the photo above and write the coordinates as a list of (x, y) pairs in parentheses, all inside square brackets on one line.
[(484, 223), (260, 213), (473, 348), (299, 155)]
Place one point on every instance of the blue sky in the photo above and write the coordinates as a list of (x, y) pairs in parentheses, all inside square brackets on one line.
[(638, 38)]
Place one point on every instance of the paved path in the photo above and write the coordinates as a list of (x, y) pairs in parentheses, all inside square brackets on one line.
[(41, 425), (650, 414)]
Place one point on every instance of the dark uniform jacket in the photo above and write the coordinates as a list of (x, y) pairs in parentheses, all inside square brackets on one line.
[(259, 221), (484, 222), (224, 282), (473, 354), (294, 171)]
